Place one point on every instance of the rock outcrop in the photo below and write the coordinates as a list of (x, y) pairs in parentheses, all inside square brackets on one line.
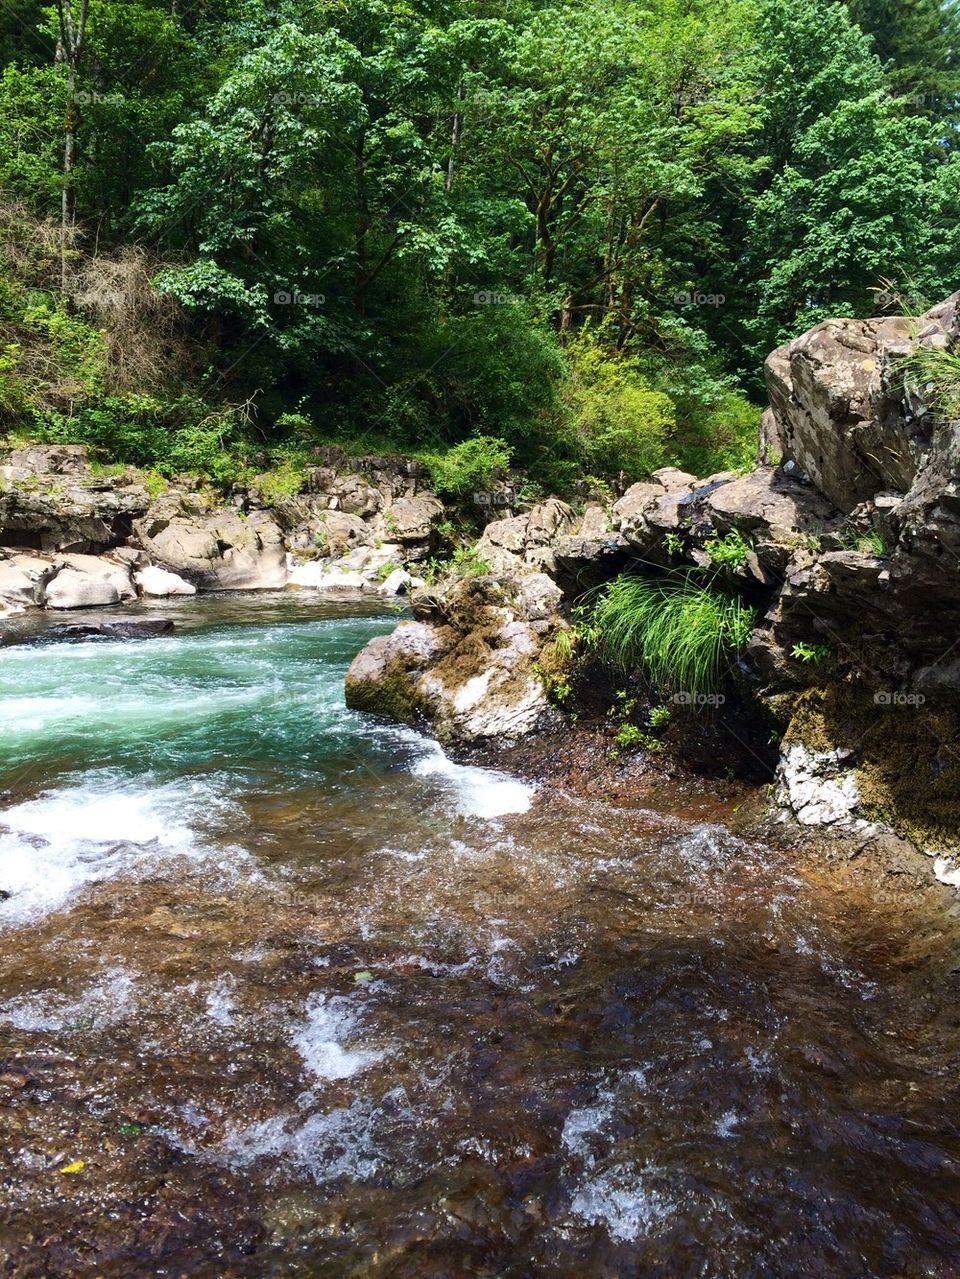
[(467, 664), (356, 524), (51, 500), (215, 548)]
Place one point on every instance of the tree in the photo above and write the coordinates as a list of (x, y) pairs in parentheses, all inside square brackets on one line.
[(70, 46), (918, 41)]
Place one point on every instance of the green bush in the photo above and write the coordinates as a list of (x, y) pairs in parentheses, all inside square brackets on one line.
[(677, 631), (473, 465), (614, 421), (729, 551)]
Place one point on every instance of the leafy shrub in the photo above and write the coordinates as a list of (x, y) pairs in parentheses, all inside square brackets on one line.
[(677, 631), (614, 420), (470, 466), (283, 481)]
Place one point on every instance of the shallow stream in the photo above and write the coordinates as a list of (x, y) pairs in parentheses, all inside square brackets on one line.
[(286, 991)]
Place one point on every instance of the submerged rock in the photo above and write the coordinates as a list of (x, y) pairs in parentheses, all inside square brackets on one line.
[(115, 628)]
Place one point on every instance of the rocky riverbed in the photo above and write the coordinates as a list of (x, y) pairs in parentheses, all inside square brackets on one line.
[(289, 990)]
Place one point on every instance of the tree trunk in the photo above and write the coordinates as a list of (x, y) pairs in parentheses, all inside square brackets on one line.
[(73, 28), (456, 136)]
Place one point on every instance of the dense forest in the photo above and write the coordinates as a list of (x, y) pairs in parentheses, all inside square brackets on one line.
[(564, 232)]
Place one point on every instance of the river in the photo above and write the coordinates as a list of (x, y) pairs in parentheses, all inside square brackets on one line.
[(286, 991)]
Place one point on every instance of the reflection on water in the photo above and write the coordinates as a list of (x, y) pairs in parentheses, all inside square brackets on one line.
[(304, 997)]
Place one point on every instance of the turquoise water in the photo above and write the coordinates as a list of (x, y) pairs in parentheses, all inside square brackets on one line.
[(266, 698), (293, 993)]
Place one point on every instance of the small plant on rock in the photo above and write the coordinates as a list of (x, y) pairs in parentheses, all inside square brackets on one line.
[(729, 551), (811, 654)]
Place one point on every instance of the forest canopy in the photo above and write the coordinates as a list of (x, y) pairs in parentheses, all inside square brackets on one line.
[(571, 229)]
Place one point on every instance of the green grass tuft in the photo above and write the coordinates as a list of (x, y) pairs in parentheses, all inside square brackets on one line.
[(678, 632), (937, 372)]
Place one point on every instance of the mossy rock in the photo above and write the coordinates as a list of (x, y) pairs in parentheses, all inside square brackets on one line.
[(393, 694), (906, 755)]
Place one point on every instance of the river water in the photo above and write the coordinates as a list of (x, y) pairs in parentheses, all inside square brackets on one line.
[(285, 991)]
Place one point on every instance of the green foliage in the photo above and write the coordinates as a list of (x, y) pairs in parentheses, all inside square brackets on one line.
[(472, 466), (937, 374), (615, 420), (868, 541), (811, 654), (660, 716), (631, 737), (570, 230), (728, 551), (284, 481), (678, 632), (462, 563)]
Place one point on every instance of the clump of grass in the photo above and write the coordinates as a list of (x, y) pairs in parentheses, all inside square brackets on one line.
[(937, 372), (679, 632)]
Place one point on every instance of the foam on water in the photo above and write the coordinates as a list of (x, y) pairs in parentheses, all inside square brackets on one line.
[(53, 846), (476, 792), (337, 1143), (107, 1001), (624, 1200), (323, 1039)]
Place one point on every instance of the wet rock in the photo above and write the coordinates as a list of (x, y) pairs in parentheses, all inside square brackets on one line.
[(114, 628), (467, 665), (816, 787)]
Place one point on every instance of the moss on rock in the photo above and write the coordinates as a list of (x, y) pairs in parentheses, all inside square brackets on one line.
[(906, 754)]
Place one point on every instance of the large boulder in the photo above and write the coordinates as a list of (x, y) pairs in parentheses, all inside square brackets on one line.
[(161, 583), (50, 500), (23, 580), (468, 664), (68, 581), (411, 520), (840, 409), (769, 503), (508, 544), (215, 548)]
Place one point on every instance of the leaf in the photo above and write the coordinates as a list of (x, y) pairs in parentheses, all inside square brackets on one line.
[(77, 1166)]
